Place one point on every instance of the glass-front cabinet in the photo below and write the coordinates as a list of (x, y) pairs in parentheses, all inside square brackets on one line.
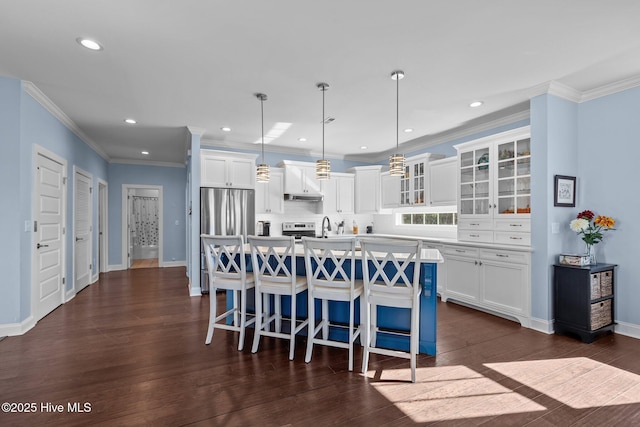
[(494, 200), (514, 177), (475, 173), (413, 184)]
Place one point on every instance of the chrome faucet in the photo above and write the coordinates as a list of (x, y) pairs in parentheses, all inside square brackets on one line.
[(326, 227)]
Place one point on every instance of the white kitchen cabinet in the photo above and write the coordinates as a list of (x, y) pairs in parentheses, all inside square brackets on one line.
[(269, 195), (414, 184), (367, 188), (338, 192), (226, 169), (443, 182), (390, 194), (300, 178), (496, 280), (494, 189)]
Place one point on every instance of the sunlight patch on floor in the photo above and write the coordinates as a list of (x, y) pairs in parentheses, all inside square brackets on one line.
[(448, 393), (578, 382)]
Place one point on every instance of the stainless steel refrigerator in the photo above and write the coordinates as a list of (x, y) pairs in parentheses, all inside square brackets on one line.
[(225, 212)]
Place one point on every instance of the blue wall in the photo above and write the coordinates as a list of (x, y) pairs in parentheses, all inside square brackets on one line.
[(173, 181), (608, 163), (11, 262)]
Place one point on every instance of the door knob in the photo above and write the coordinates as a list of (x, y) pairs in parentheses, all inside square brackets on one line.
[(38, 246)]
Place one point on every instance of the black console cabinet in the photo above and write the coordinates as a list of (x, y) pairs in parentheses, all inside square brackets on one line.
[(583, 300)]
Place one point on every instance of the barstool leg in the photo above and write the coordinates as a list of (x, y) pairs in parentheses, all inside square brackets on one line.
[(311, 326), (212, 315), (259, 322)]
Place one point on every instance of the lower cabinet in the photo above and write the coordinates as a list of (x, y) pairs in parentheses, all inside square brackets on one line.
[(495, 280), (583, 300)]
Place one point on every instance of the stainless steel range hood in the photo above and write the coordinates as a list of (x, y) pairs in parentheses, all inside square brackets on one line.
[(305, 197)]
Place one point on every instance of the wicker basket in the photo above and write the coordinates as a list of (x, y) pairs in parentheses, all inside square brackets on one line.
[(595, 286), (600, 314), (606, 283)]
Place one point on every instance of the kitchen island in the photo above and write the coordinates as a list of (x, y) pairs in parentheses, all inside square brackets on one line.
[(389, 319)]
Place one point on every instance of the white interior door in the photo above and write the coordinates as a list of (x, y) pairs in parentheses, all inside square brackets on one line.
[(130, 221), (102, 227), (82, 230), (48, 236)]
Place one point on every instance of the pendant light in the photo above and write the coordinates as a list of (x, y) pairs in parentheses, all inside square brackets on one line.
[(396, 161), (323, 167), (262, 174)]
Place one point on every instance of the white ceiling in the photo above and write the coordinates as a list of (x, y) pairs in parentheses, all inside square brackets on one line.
[(171, 64)]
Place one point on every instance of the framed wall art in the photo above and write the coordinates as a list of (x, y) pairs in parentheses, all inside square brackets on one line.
[(564, 191)]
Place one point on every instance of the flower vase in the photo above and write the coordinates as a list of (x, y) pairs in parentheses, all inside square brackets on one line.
[(591, 253)]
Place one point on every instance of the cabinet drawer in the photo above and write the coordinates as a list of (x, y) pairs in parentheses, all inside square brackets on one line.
[(475, 224), (600, 314), (595, 285), (506, 256), (509, 238), (482, 236), (460, 251), (513, 225)]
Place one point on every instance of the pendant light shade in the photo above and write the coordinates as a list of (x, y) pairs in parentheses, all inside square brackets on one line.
[(396, 161), (323, 167), (262, 173)]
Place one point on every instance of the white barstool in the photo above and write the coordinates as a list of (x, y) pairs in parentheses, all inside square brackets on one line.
[(330, 266), (273, 276), (226, 265), (394, 287)]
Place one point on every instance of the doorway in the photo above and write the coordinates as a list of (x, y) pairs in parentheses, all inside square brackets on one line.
[(82, 228), (103, 241), (49, 218), (142, 226)]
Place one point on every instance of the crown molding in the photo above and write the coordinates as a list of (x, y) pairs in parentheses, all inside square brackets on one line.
[(611, 88), (193, 130), (147, 163), (212, 143), (52, 108)]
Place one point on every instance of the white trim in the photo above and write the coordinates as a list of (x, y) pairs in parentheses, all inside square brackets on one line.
[(39, 150), (116, 267), (13, 329), (195, 291), (89, 176), (611, 88), (541, 325), (69, 295), (627, 329), (52, 108), (147, 163), (103, 210), (168, 264), (124, 223)]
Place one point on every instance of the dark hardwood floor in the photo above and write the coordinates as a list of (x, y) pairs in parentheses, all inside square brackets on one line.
[(132, 347)]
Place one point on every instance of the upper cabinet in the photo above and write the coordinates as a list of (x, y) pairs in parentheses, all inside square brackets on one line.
[(495, 189), (269, 195), (390, 194), (443, 183), (338, 194), (300, 178), (367, 189), (226, 169), (414, 184)]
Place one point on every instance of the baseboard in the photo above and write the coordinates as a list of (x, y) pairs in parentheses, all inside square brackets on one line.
[(94, 279), (13, 329), (174, 264), (69, 295), (628, 329), (116, 267), (541, 325)]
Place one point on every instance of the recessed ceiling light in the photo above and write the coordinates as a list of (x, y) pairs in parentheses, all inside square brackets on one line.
[(475, 104), (89, 44), (146, 153), (363, 147), (302, 139), (130, 121), (408, 130), (225, 129)]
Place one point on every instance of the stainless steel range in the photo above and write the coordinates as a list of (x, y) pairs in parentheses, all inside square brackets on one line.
[(299, 229)]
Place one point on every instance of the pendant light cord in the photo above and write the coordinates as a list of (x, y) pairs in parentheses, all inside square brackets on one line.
[(397, 112), (323, 89), (262, 118)]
